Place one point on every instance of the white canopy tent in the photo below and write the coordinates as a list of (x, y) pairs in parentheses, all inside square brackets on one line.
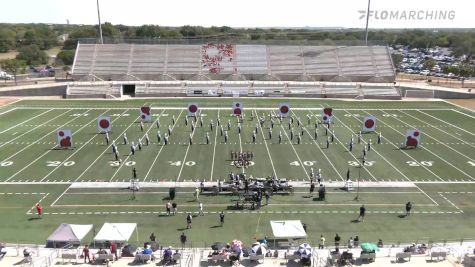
[(68, 233), (288, 229), (118, 232)]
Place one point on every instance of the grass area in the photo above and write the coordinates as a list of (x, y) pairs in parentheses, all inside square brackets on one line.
[(32, 169)]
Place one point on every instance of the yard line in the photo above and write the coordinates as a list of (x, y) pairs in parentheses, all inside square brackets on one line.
[(405, 151), (450, 202), (118, 136), (32, 129), (49, 150), (441, 131), (321, 150), (77, 150), (470, 116), (186, 153), (128, 156), (37, 141), (214, 149), (56, 200), (160, 151), (293, 148), (25, 121), (447, 123), (384, 158), (5, 112), (423, 147), (357, 160), (265, 142)]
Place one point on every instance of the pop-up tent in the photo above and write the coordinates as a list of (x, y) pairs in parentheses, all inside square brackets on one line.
[(288, 229), (118, 232), (68, 234)]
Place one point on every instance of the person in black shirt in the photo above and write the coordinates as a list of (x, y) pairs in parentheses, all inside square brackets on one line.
[(221, 218), (362, 213), (337, 241), (408, 208)]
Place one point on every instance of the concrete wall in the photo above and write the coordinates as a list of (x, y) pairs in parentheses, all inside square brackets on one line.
[(52, 90), (462, 94)]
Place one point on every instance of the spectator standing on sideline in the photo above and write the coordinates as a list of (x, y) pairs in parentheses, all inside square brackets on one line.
[(356, 241), (168, 207), (267, 196), (221, 218), (113, 249), (337, 240), (174, 208), (183, 239), (321, 245), (85, 252), (152, 237), (362, 213), (408, 208)]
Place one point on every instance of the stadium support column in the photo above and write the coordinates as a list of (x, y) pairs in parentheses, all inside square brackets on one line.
[(100, 27)]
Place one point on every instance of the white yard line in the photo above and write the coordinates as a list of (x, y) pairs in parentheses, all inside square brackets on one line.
[(128, 156), (14, 126), (357, 160), (229, 109), (160, 151), (374, 149), (186, 153), (240, 149), (407, 154), (34, 128), (470, 116), (56, 200), (78, 149), (450, 164), (267, 148), (43, 198), (7, 111), (323, 153), (44, 136), (426, 195), (435, 127), (48, 151), (293, 148), (214, 150), (473, 134), (450, 202), (107, 148)]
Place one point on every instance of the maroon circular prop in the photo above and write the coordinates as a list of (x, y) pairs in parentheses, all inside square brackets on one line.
[(369, 123), (61, 133), (104, 124), (192, 108), (284, 109), (237, 111)]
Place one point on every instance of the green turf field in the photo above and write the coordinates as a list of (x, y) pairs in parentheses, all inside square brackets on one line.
[(438, 176)]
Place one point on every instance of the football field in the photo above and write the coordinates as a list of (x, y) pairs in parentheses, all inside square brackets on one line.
[(86, 183)]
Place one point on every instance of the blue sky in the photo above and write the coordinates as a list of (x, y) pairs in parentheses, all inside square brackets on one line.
[(241, 13)]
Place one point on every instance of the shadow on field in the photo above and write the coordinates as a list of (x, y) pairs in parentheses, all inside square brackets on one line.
[(355, 221), (34, 218)]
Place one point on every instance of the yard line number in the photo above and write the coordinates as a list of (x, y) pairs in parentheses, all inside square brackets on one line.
[(366, 163), (178, 163), (6, 163), (60, 163), (421, 163), (117, 164), (306, 163)]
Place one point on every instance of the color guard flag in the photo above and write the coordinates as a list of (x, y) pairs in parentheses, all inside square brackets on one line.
[(413, 137), (369, 124), (237, 108), (104, 124), (65, 138), (192, 109), (146, 114), (327, 115), (284, 109)]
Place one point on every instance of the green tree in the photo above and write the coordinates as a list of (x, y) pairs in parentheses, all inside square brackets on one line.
[(397, 59), (66, 57), (13, 66), (7, 40), (32, 55), (429, 64)]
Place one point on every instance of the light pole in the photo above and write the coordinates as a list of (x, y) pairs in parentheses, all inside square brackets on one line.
[(367, 22), (100, 27)]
